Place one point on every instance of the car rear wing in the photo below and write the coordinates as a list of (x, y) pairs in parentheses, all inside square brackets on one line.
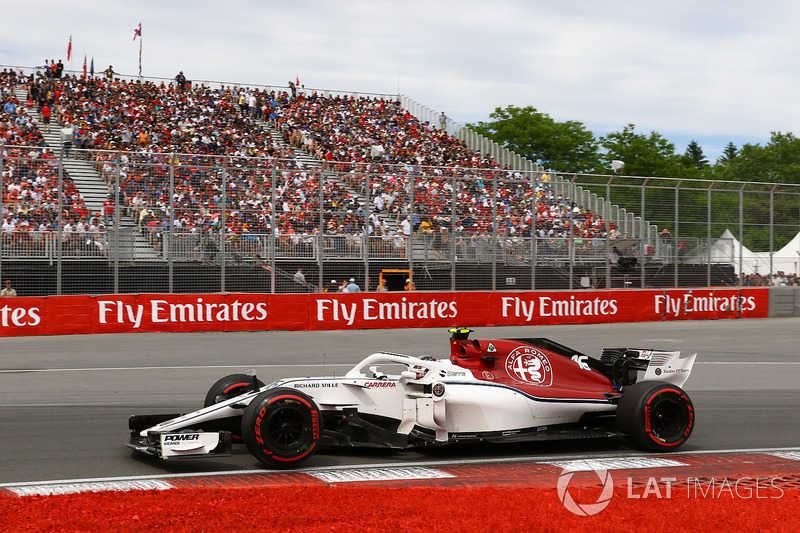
[(670, 367)]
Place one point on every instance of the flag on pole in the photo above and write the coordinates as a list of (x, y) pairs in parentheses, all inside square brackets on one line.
[(69, 48), (91, 68), (137, 32), (84, 66), (297, 81)]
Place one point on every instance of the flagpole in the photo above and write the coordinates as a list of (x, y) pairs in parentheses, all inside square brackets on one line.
[(140, 57), (137, 32)]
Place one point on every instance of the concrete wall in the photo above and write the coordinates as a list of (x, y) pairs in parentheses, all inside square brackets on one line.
[(784, 302)]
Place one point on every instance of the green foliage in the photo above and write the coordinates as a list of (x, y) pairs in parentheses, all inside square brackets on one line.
[(644, 155), (560, 146), (694, 161), (728, 154), (694, 156), (571, 148), (777, 162)]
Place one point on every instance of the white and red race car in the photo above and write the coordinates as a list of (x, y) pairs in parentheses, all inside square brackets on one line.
[(500, 390)]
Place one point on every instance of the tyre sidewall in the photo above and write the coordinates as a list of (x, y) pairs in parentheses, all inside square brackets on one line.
[(261, 421), (637, 409), (228, 387)]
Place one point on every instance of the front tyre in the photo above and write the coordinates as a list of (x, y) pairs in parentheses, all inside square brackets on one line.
[(656, 416), (228, 387), (282, 427)]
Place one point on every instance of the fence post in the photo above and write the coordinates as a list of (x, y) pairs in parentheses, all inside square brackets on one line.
[(642, 240), (169, 239), (741, 233), (534, 175), (223, 227), (494, 229), (367, 220), (60, 218), (571, 246), (272, 228), (771, 233), (607, 217), (2, 205), (453, 213), (117, 171), (410, 239), (708, 237), (320, 244), (676, 239)]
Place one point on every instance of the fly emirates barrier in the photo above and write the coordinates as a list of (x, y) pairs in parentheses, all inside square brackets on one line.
[(64, 315)]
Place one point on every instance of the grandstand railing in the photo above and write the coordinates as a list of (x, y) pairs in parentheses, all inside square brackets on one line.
[(480, 236)]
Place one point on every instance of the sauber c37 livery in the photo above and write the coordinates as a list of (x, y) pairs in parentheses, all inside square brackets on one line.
[(500, 390)]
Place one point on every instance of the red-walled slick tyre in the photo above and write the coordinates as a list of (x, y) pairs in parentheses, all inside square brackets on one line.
[(228, 387), (656, 416), (282, 427)]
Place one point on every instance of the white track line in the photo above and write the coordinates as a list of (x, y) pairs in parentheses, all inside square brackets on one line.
[(785, 453)]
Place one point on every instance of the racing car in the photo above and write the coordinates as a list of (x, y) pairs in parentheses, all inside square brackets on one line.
[(500, 390)]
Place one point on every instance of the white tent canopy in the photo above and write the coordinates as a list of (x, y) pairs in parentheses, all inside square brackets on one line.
[(727, 249)]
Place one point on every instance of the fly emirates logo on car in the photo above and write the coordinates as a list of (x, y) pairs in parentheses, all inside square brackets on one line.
[(549, 306)]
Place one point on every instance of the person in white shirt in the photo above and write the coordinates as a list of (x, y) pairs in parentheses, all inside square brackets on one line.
[(300, 278), (405, 226), (67, 134), (8, 291), (352, 286)]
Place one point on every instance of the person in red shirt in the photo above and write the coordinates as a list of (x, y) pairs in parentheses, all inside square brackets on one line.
[(46, 114), (108, 210)]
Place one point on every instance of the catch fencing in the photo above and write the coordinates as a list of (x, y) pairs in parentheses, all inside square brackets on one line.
[(127, 222)]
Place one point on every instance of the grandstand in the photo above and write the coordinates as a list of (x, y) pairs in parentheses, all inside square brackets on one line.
[(234, 188)]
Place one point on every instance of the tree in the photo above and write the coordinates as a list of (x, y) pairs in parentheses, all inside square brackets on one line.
[(560, 146), (728, 154), (644, 155), (770, 166), (694, 157), (777, 162), (721, 169)]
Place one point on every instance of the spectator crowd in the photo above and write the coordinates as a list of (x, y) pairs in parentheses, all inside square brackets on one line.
[(396, 177)]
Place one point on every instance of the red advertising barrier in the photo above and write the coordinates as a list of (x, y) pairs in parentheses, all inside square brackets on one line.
[(63, 315)]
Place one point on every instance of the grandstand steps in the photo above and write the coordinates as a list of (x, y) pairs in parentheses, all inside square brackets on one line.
[(128, 243), (91, 186), (420, 250)]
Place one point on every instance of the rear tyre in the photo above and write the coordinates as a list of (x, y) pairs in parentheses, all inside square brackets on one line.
[(656, 416), (228, 387), (281, 427)]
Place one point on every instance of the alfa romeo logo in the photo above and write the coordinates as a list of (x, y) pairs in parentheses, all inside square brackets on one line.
[(585, 509), (529, 365)]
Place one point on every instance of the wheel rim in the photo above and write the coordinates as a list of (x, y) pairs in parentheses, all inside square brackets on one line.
[(286, 427), (669, 417)]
